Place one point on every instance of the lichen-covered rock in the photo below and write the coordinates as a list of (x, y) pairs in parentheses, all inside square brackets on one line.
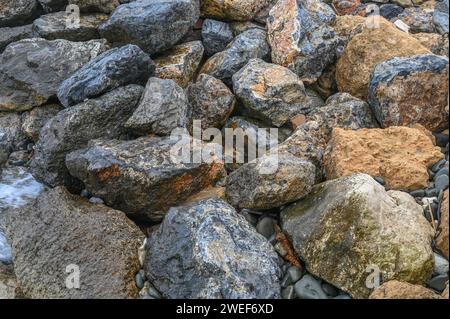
[(153, 25), (17, 12), (346, 226), (35, 119), (417, 20), (53, 26), (53, 5), (238, 10), (270, 181), (73, 127), (141, 177), (162, 108), (271, 92), (112, 69), (102, 6), (394, 289), (369, 48), (410, 90), (59, 233), (207, 250), (250, 44), (180, 63), (32, 69), (440, 17), (211, 101), (11, 135), (216, 35), (435, 42), (400, 155), (10, 35), (301, 37), (442, 238)]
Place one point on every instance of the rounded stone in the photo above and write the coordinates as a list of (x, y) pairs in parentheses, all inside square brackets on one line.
[(266, 227), (309, 288), (441, 182)]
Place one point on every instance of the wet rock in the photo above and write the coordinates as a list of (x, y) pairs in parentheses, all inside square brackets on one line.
[(141, 177), (153, 25), (410, 90), (112, 69), (216, 35), (10, 35), (11, 135), (163, 108), (442, 238), (180, 63), (53, 5), (59, 232), (32, 69), (248, 45), (394, 289), (17, 12), (301, 37), (240, 10), (73, 127), (440, 17), (193, 254), (417, 20), (103, 6), (35, 119), (352, 214)]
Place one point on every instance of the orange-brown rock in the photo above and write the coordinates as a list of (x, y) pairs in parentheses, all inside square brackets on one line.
[(445, 292), (435, 42), (394, 289), (240, 10), (400, 155), (442, 239), (369, 48)]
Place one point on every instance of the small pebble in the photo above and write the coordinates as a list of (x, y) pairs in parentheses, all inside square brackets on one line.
[(96, 200), (441, 139), (309, 288), (442, 171), (436, 167), (288, 292), (441, 182), (380, 180), (294, 273), (139, 281), (433, 192), (330, 290), (85, 193), (280, 249), (265, 227), (152, 292), (440, 265), (438, 283), (418, 193)]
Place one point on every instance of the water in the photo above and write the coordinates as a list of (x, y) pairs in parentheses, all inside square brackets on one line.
[(17, 187)]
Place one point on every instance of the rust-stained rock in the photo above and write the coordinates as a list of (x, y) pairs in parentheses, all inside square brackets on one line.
[(400, 155), (442, 239), (395, 289), (239, 10)]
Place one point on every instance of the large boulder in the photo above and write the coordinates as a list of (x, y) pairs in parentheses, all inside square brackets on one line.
[(301, 36), (208, 250), (31, 70), (348, 228), (74, 127), (141, 177), (17, 12), (153, 25), (103, 6), (10, 35), (59, 234), (410, 90), (394, 289), (112, 69), (238, 10)]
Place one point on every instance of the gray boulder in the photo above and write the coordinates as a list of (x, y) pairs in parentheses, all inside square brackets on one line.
[(10, 35), (208, 250), (17, 12), (440, 17), (216, 35), (112, 69), (103, 6)]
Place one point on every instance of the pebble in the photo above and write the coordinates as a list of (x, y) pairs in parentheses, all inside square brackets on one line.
[(380, 180), (438, 283), (152, 292), (442, 171), (309, 288), (432, 192), (286, 281), (441, 182), (96, 200), (139, 280), (85, 193), (440, 265), (280, 249), (441, 139), (265, 227), (436, 167), (343, 296), (294, 273), (288, 292), (252, 219), (330, 290), (418, 193)]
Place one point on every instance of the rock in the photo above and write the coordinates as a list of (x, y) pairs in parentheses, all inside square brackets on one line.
[(347, 26), (53, 5), (390, 10), (270, 181), (441, 182), (240, 10), (382, 152), (345, 7), (180, 63), (216, 35), (72, 128), (194, 252), (11, 135), (404, 91), (240, 27), (436, 43), (17, 12), (295, 273), (403, 3), (288, 292), (301, 37), (141, 177), (59, 232), (309, 288), (438, 283), (211, 101), (417, 20), (153, 25), (9, 287), (445, 292), (110, 70), (35, 119), (356, 214), (103, 6), (330, 290), (442, 238), (32, 69), (440, 265), (250, 44), (394, 289), (10, 35), (270, 92), (162, 108), (266, 227), (369, 48), (440, 17)]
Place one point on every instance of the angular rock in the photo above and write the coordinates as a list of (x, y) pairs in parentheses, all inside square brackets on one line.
[(180, 63), (216, 35), (270, 181), (351, 224), (248, 45), (35, 119), (10, 35), (53, 5), (103, 6), (208, 250), (394, 289), (239, 10), (141, 177), (17, 12), (72, 128), (417, 20), (301, 37), (112, 69), (442, 238), (390, 10), (153, 25), (410, 90), (211, 100), (440, 17), (162, 108), (32, 69), (9, 287), (271, 92), (60, 231), (369, 48), (436, 43), (11, 135)]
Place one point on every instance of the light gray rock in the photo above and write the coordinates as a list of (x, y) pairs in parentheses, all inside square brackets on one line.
[(11, 135), (309, 288), (440, 17), (10, 35), (17, 12), (216, 35), (440, 265)]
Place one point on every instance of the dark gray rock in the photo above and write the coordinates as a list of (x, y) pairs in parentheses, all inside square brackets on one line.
[(72, 128), (35, 119), (216, 35), (153, 25), (438, 283), (288, 292), (53, 5), (58, 231), (31, 70), (390, 10), (309, 288), (330, 290), (10, 35), (17, 12), (417, 19), (207, 250), (266, 227), (11, 135), (440, 17), (441, 182), (112, 69)]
